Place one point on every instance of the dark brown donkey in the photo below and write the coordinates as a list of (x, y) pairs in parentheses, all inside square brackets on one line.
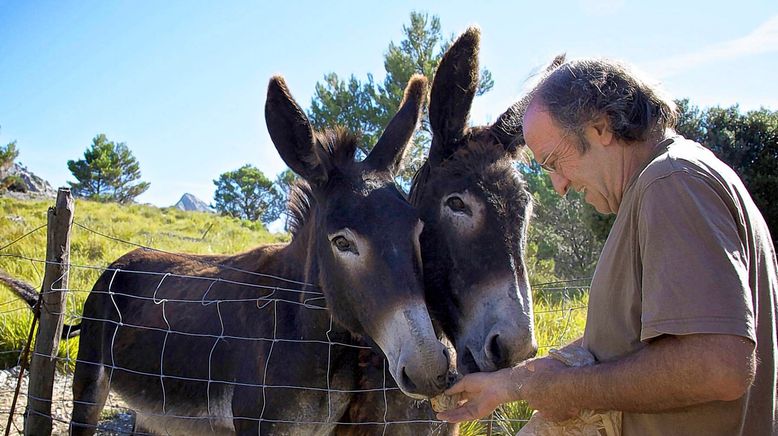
[(475, 207), (246, 343)]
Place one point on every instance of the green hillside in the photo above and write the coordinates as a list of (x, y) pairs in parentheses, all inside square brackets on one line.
[(166, 229)]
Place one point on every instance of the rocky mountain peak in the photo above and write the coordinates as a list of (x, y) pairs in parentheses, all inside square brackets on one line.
[(18, 181), (189, 202)]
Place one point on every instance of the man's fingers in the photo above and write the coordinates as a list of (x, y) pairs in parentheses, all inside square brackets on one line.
[(466, 412), (459, 387)]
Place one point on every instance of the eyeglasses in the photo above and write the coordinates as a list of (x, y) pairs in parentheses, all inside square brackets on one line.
[(545, 165)]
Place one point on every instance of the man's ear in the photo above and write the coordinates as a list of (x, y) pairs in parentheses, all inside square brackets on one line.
[(600, 131)]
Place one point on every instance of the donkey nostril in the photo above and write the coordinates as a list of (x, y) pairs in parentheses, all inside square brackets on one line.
[(468, 364), (441, 380), (407, 383), (494, 350)]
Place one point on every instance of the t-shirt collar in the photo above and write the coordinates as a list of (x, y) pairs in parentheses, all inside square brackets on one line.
[(659, 149)]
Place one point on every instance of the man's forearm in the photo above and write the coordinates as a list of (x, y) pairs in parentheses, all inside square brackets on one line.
[(669, 373)]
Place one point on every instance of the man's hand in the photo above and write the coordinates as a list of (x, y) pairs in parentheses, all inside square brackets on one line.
[(481, 393)]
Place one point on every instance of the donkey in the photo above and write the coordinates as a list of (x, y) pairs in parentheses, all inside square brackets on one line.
[(475, 207), (267, 341)]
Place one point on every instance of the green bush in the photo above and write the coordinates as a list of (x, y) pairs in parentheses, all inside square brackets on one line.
[(13, 183)]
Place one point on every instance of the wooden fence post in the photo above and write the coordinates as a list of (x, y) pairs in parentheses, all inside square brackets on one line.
[(55, 280)]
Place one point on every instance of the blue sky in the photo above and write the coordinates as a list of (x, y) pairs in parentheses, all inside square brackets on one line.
[(183, 82)]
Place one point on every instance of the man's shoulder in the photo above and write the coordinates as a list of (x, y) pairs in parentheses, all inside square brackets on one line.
[(682, 158)]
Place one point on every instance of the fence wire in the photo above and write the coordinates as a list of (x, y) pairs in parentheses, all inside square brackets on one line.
[(559, 303)]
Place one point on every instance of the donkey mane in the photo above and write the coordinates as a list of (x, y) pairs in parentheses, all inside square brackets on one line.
[(298, 206), (482, 156), (481, 151), (338, 147)]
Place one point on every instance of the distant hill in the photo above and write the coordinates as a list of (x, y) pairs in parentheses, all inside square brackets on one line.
[(189, 202), (26, 184)]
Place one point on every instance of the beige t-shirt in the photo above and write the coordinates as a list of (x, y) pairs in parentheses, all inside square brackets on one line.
[(689, 252)]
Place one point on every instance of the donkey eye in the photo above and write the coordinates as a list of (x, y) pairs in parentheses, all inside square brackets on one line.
[(343, 244), (456, 204)]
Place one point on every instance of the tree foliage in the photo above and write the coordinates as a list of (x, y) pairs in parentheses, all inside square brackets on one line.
[(561, 227), (248, 194), (108, 172), (748, 142), (12, 182), (366, 106), (8, 155), (284, 182)]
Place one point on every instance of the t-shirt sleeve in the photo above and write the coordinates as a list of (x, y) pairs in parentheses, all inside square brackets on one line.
[(694, 263)]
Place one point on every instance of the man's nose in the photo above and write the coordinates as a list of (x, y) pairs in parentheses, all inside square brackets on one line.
[(561, 184)]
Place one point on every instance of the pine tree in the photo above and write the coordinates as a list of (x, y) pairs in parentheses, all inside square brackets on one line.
[(108, 172), (367, 106), (247, 193), (8, 154)]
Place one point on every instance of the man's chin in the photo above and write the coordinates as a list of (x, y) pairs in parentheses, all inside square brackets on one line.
[(605, 210), (602, 207)]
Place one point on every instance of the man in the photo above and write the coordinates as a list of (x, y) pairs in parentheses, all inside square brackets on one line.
[(681, 315)]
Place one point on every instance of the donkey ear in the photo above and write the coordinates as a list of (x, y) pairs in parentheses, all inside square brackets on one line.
[(291, 133), (453, 89), (390, 148), (508, 127), (558, 60)]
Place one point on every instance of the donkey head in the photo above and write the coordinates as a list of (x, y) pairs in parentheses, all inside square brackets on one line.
[(475, 208), (362, 236)]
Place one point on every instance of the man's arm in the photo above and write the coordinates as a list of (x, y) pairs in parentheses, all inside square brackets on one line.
[(670, 372)]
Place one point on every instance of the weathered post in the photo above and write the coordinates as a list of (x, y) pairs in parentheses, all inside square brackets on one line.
[(55, 281)]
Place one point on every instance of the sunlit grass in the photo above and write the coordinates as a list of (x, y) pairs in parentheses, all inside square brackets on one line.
[(167, 229)]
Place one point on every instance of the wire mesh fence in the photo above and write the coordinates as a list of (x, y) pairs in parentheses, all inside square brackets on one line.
[(560, 309)]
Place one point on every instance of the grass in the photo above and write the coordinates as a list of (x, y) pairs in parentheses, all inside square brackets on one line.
[(167, 229), (560, 311)]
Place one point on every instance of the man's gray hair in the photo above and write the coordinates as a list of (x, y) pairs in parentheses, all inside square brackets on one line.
[(578, 92)]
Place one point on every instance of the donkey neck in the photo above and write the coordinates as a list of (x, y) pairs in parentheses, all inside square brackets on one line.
[(298, 261)]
